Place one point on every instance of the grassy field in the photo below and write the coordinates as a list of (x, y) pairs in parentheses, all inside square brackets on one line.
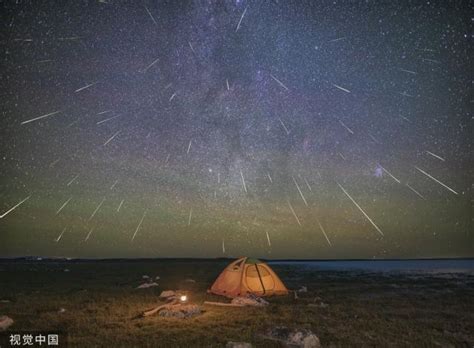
[(364, 309)]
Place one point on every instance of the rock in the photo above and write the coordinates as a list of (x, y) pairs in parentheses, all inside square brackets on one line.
[(189, 280), (311, 341), (294, 338), (303, 289), (168, 314), (5, 301), (250, 300), (145, 277), (66, 270), (180, 311), (231, 344), (323, 305), (157, 278), (279, 333), (167, 294), (61, 310), (146, 285), (5, 322)]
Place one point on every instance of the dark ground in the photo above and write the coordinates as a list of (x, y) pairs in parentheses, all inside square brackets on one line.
[(363, 309)]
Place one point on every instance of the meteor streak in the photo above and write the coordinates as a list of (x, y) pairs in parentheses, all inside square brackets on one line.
[(279, 82), (362, 211), (72, 180), (341, 88), (243, 181), (299, 190), (41, 117), (191, 46), (307, 184), (269, 178), (190, 216), (104, 112), (293, 212), (111, 138), (89, 234), (151, 16), (415, 191), (61, 234), (284, 127), (138, 227), (85, 87), (439, 182), (151, 64), (189, 146), (107, 119), (347, 128), (390, 174), (436, 156), (96, 209), (120, 205), (64, 204), (407, 71), (14, 207), (324, 232), (241, 18), (268, 239)]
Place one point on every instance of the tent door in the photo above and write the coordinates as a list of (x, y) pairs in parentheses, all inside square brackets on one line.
[(260, 278)]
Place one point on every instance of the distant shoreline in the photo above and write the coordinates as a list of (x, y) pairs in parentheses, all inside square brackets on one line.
[(220, 259), (421, 266)]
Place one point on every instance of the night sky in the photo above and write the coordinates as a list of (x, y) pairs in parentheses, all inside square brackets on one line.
[(276, 129)]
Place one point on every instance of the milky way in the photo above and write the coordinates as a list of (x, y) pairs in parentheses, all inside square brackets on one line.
[(302, 129)]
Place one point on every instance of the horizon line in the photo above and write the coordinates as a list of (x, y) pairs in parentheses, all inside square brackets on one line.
[(65, 258)]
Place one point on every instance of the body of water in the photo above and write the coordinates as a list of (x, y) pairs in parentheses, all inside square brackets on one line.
[(428, 266)]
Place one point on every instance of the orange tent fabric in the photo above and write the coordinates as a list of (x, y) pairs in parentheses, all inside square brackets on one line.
[(248, 276)]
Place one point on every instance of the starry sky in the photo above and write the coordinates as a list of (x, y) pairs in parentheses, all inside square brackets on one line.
[(275, 129)]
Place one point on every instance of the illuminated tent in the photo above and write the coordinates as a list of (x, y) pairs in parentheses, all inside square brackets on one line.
[(248, 276)]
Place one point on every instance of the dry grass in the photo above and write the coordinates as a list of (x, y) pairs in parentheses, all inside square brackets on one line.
[(364, 309)]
